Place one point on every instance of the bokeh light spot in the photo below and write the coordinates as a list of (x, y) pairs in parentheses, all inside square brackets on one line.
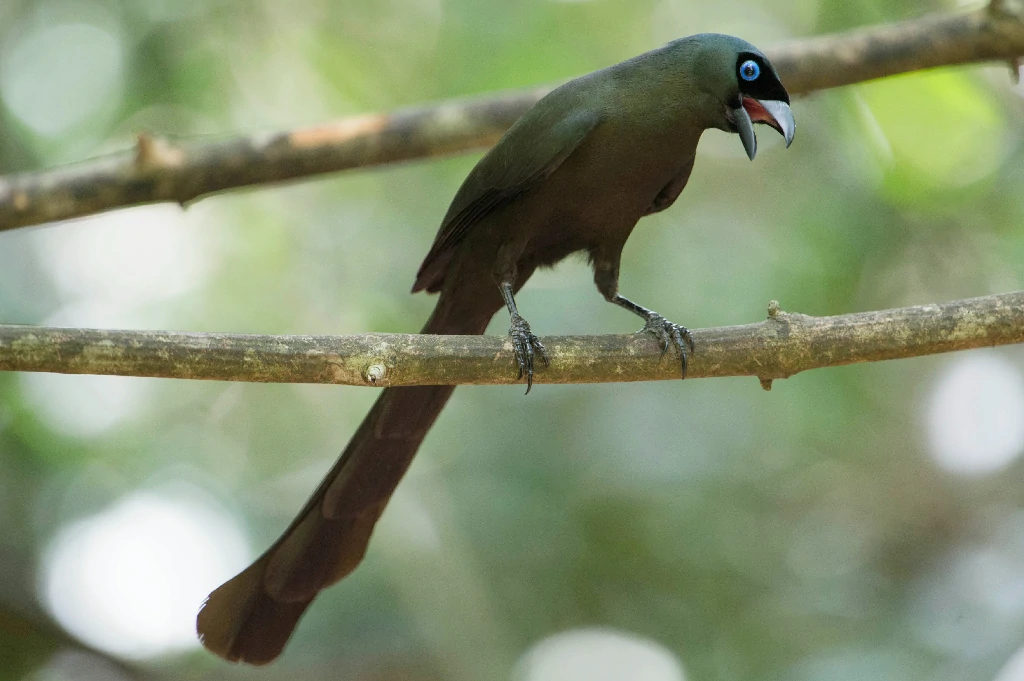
[(77, 665), (969, 604), (975, 415), (1013, 670), (130, 580), (58, 76), (943, 129), (125, 259), (84, 406), (599, 655)]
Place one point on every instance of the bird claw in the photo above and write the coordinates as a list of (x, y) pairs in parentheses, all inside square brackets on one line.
[(526, 346), (666, 332)]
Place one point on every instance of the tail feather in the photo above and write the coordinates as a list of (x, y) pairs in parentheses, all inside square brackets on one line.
[(250, 617), (242, 623)]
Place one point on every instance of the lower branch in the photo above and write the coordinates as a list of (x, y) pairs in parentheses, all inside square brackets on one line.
[(778, 347)]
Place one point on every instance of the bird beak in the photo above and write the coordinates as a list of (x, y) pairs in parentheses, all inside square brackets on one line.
[(773, 112)]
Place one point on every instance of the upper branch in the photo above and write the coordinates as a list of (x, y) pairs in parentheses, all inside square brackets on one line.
[(779, 347), (161, 170)]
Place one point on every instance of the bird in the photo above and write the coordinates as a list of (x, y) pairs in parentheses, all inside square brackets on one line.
[(574, 174)]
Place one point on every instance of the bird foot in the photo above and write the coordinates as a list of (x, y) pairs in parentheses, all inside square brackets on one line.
[(666, 332), (526, 346)]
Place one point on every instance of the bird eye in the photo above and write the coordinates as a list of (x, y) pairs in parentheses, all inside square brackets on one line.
[(749, 70)]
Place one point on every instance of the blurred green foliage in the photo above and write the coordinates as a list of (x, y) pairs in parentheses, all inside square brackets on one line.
[(805, 533)]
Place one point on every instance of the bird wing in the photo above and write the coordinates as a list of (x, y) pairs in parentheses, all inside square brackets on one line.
[(529, 152)]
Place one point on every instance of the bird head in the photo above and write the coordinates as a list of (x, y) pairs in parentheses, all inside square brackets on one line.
[(747, 86)]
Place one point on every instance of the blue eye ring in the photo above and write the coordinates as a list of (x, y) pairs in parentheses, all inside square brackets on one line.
[(749, 70)]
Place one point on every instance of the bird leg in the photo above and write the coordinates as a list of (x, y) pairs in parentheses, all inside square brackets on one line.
[(665, 331), (606, 276), (524, 343)]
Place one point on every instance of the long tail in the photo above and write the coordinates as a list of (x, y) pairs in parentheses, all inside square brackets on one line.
[(250, 618)]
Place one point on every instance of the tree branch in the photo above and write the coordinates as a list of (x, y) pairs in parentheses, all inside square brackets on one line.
[(161, 170), (778, 347)]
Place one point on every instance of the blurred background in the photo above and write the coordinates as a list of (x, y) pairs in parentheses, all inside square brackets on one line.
[(857, 523)]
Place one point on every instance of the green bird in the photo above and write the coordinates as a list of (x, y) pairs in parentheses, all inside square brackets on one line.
[(575, 173)]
